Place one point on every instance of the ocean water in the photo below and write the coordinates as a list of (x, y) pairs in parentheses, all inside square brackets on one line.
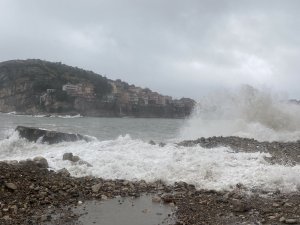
[(120, 149)]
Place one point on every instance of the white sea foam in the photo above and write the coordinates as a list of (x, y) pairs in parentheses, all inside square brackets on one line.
[(248, 112), (126, 158), (59, 116), (69, 116), (45, 115)]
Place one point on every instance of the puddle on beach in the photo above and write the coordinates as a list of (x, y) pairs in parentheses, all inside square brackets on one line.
[(125, 211)]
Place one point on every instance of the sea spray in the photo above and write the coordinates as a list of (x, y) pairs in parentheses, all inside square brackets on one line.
[(248, 112)]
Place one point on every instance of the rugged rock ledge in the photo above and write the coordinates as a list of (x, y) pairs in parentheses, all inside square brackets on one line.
[(30, 194), (281, 152), (46, 136)]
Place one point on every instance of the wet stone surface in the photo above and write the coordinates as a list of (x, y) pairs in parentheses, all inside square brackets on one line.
[(32, 194), (284, 153)]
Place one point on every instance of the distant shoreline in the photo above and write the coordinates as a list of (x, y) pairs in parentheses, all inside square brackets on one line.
[(78, 115)]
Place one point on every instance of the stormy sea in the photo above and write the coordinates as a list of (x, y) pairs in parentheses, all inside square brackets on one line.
[(147, 149)]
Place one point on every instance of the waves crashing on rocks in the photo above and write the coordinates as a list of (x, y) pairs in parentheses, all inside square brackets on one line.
[(218, 167), (247, 112)]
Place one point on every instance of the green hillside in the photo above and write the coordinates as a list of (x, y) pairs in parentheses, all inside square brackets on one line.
[(49, 75), (23, 83)]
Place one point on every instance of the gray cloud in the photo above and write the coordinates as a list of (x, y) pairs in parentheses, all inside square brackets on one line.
[(177, 48)]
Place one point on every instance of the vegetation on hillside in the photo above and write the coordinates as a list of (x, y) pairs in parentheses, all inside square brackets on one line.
[(48, 75)]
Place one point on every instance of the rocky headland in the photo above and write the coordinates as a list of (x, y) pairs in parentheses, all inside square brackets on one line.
[(51, 88)]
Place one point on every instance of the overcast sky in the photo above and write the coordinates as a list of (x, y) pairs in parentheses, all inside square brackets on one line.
[(179, 48)]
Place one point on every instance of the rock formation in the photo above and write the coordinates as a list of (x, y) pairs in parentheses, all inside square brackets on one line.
[(46, 136)]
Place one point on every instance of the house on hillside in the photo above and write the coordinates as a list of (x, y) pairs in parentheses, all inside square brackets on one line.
[(143, 99), (110, 98), (153, 98), (135, 89), (71, 89), (133, 98), (83, 90)]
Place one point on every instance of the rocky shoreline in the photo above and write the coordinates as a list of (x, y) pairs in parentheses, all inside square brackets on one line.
[(284, 153), (32, 194)]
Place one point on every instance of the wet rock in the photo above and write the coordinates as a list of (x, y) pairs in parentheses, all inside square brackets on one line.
[(161, 144), (96, 187), (12, 162), (45, 218), (167, 198), (7, 217), (68, 156), (288, 204), (26, 162), (240, 206), (156, 199), (75, 158), (291, 221), (11, 186), (64, 172), (151, 142), (143, 184), (41, 162), (172, 204), (125, 182), (282, 219), (45, 136), (82, 162), (104, 197), (14, 209)]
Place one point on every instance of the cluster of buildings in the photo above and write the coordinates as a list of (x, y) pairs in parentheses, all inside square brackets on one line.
[(125, 94), (83, 90), (122, 93)]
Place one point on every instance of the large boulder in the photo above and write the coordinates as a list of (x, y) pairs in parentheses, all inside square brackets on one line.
[(69, 156), (46, 136), (41, 162)]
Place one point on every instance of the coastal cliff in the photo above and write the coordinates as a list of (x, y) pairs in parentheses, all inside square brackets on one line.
[(40, 87)]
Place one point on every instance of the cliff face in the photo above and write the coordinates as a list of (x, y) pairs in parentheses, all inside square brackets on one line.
[(17, 97), (24, 85)]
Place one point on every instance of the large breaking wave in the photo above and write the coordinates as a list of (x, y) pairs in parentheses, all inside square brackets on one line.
[(248, 112)]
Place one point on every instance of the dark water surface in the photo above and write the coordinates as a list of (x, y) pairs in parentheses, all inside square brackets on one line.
[(102, 128)]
